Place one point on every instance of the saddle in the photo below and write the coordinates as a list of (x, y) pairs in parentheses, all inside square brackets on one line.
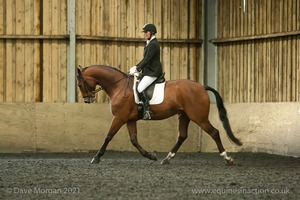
[(155, 91)]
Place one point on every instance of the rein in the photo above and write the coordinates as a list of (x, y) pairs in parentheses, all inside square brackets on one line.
[(104, 88)]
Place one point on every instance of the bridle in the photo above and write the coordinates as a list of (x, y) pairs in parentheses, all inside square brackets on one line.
[(88, 88)]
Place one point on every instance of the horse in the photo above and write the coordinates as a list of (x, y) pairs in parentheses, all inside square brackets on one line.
[(188, 99)]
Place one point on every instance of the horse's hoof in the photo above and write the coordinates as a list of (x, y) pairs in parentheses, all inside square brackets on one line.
[(95, 160), (153, 156), (229, 162), (165, 161)]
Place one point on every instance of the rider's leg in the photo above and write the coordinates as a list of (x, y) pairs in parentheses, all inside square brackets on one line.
[(144, 83), (145, 99)]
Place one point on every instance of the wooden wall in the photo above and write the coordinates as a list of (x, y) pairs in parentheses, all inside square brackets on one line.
[(34, 39), (258, 45), (33, 50), (54, 50), (259, 50), (19, 58)]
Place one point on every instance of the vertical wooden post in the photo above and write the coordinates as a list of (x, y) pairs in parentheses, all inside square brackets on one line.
[(209, 31), (71, 59)]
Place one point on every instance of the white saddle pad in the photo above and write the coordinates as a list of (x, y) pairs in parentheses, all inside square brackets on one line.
[(158, 93)]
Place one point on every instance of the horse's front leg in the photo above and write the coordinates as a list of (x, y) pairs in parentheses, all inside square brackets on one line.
[(115, 126), (131, 126)]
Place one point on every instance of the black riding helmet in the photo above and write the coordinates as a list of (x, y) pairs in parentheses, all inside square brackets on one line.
[(149, 27)]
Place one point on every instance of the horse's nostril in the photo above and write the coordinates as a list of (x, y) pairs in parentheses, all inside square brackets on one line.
[(87, 101)]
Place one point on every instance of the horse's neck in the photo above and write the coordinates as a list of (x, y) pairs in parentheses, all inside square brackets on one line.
[(107, 78), (106, 75), (102, 75)]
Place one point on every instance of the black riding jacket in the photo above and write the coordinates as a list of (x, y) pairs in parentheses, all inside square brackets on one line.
[(150, 65)]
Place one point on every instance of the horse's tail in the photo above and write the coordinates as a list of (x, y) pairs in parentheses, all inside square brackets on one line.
[(223, 116)]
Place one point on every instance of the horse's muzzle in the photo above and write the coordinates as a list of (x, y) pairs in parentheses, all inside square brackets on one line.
[(89, 99)]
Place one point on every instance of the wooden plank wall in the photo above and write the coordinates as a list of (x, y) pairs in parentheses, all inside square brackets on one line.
[(34, 38), (125, 19), (19, 59), (54, 51), (32, 69), (259, 50), (258, 47)]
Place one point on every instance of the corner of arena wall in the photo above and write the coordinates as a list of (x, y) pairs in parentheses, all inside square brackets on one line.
[(76, 127)]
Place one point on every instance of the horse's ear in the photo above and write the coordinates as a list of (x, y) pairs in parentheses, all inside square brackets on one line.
[(79, 74)]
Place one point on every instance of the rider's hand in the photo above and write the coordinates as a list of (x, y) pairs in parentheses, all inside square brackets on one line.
[(132, 70)]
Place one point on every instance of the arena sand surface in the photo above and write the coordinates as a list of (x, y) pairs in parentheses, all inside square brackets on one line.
[(128, 175)]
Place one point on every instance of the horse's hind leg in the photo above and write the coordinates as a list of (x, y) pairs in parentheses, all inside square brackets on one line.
[(182, 135), (214, 133)]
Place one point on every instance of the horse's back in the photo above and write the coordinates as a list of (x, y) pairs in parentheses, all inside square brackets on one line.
[(186, 85), (189, 96), (187, 90)]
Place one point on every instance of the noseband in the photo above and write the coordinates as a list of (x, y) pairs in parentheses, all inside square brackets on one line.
[(88, 88)]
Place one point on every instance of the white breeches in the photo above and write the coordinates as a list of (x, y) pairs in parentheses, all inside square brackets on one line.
[(145, 82)]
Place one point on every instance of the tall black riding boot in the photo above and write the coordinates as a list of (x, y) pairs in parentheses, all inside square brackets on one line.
[(147, 112)]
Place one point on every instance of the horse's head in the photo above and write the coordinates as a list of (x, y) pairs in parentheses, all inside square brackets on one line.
[(87, 86)]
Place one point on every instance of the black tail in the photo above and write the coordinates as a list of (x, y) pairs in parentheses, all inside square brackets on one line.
[(223, 116)]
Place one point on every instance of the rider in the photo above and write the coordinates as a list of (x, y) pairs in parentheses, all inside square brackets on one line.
[(150, 66)]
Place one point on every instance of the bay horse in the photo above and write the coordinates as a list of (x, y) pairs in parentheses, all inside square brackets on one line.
[(186, 98)]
